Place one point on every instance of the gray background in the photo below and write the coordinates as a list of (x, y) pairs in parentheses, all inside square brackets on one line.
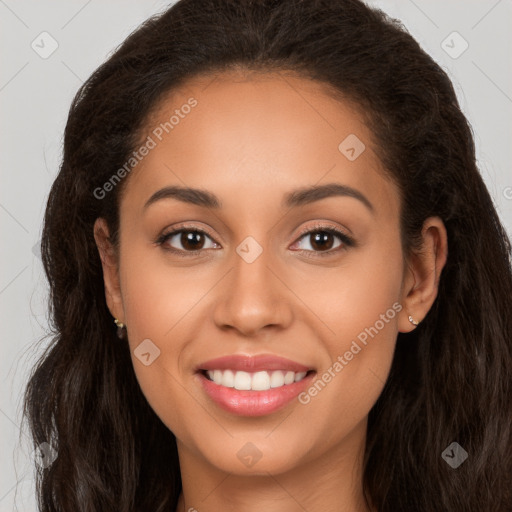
[(35, 94)]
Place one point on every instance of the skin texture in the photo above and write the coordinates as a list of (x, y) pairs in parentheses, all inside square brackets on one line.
[(251, 139)]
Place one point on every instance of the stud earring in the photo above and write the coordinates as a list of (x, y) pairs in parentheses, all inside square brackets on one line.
[(121, 332), (413, 322)]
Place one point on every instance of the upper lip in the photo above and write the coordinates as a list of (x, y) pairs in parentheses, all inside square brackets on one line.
[(252, 363)]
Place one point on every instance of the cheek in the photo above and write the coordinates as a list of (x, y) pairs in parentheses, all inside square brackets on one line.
[(347, 387), (368, 325), (360, 307), (353, 296), (158, 297), (162, 304)]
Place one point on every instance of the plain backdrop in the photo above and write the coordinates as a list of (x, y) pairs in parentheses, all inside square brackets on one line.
[(36, 90)]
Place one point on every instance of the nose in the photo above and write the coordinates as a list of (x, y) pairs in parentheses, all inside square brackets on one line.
[(253, 297)]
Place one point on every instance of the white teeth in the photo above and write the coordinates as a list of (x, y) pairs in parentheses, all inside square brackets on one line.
[(300, 376), (228, 379), (242, 380), (289, 377), (258, 381), (277, 379), (217, 377)]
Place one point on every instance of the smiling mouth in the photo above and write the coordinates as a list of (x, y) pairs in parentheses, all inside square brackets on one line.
[(254, 381)]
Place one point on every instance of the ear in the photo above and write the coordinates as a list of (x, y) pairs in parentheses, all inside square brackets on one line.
[(421, 278), (110, 266)]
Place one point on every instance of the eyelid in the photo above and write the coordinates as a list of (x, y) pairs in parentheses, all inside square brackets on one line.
[(322, 226), (185, 226)]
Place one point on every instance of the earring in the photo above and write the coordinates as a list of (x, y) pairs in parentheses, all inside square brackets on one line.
[(121, 332), (413, 322)]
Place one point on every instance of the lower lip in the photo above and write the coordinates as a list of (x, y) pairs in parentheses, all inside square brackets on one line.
[(253, 403)]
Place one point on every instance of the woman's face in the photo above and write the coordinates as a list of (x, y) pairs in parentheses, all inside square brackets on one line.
[(254, 284)]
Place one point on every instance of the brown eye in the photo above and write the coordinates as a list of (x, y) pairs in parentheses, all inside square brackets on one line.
[(186, 241), (192, 240), (322, 241)]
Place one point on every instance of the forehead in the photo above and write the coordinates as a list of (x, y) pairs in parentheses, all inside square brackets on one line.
[(263, 133)]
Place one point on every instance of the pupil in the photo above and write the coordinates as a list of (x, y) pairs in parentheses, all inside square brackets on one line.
[(319, 240), (189, 240)]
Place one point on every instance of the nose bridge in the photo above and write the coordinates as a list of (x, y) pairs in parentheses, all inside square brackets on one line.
[(253, 297), (252, 280), (251, 267)]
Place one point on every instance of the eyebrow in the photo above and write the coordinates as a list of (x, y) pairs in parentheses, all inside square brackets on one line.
[(293, 199)]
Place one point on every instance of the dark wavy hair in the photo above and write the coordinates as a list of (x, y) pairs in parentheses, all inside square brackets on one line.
[(451, 377)]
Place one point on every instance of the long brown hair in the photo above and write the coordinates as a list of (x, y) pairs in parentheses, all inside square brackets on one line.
[(451, 379)]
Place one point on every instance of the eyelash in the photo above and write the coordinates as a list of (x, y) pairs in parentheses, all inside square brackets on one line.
[(346, 240)]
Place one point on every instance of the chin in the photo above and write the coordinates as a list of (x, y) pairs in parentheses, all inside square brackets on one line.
[(256, 457)]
